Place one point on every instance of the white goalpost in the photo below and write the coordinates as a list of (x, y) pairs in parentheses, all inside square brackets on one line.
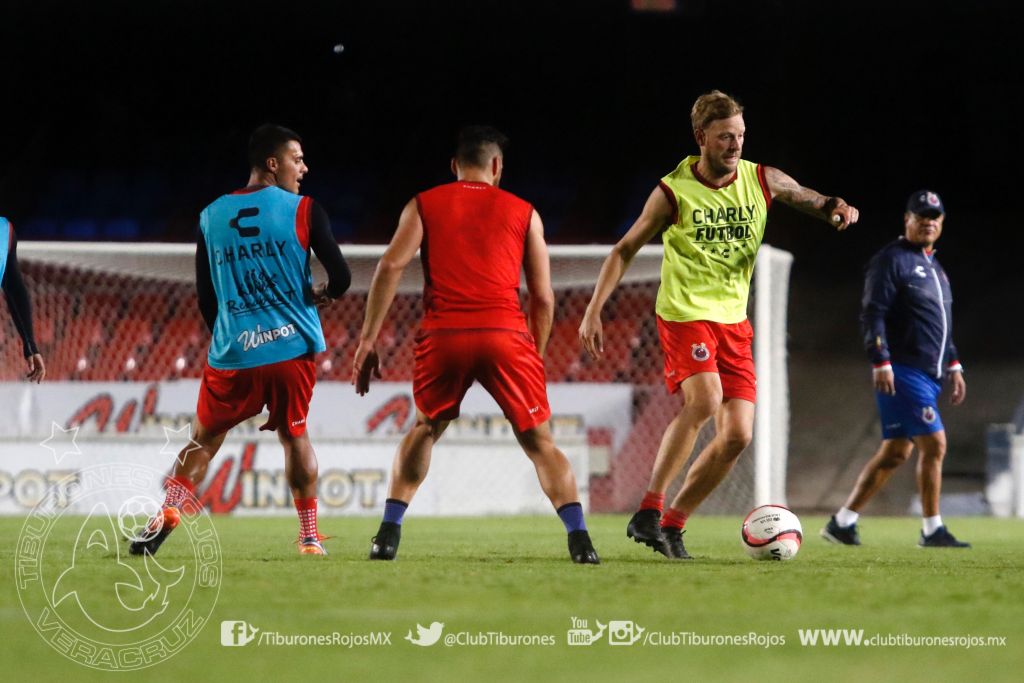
[(771, 414), (120, 330)]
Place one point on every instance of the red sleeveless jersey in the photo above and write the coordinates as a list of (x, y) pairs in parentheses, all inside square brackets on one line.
[(474, 235)]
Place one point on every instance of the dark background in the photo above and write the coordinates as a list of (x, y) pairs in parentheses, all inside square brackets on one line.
[(123, 119)]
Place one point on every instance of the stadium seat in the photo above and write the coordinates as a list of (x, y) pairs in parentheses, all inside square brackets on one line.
[(155, 306), (398, 364), (620, 337), (562, 356), (75, 350)]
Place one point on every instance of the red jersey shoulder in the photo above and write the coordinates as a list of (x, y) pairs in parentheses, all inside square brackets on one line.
[(444, 190), (436, 194), (303, 220), (436, 203), (449, 189), (515, 200), (514, 204)]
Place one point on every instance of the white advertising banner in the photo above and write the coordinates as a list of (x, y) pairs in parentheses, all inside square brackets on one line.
[(114, 409), (467, 476), (57, 430)]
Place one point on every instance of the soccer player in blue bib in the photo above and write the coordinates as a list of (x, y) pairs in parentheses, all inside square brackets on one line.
[(908, 332), (18, 301), (257, 297)]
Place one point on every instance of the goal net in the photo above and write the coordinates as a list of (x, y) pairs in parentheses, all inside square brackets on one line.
[(127, 314)]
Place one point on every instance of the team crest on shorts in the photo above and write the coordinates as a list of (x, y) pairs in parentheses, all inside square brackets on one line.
[(928, 415), (699, 351)]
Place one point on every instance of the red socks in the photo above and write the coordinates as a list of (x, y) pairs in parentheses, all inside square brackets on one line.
[(178, 489), (674, 519), (653, 501), (306, 507)]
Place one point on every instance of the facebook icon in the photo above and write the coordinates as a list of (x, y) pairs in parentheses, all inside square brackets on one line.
[(236, 633)]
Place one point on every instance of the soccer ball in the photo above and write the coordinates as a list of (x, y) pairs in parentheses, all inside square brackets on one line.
[(771, 532), (134, 515)]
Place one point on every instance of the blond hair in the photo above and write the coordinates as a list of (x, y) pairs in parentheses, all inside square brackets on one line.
[(712, 106)]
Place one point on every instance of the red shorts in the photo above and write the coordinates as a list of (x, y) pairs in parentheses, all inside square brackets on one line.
[(505, 362), (228, 397), (703, 346)]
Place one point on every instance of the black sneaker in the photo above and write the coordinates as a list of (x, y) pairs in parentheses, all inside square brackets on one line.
[(941, 539), (674, 543), (844, 535), (581, 550), (384, 545), (645, 527)]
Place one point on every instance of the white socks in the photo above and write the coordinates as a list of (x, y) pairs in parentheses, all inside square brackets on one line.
[(845, 517), (930, 524)]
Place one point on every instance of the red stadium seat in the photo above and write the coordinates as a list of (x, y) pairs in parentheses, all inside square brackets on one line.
[(562, 356)]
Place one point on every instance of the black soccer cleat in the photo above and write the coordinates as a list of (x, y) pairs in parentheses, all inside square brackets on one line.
[(674, 543), (581, 550), (645, 527), (941, 538), (844, 535), (384, 546), (149, 539), (148, 546)]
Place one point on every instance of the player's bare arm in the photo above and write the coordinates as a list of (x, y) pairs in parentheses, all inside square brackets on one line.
[(396, 257), (655, 217), (537, 267), (833, 210)]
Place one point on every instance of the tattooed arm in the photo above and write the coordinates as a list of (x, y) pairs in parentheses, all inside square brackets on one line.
[(833, 210)]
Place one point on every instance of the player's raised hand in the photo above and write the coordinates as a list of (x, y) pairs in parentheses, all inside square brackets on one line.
[(844, 215), (36, 368), (959, 392), (592, 334), (320, 296), (365, 364)]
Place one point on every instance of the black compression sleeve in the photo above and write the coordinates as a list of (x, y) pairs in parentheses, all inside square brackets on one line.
[(204, 283), (18, 300), (322, 241)]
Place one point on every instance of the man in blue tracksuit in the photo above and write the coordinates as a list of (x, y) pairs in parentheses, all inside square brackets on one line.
[(908, 333)]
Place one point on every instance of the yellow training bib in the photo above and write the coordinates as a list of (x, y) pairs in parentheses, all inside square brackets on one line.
[(711, 247)]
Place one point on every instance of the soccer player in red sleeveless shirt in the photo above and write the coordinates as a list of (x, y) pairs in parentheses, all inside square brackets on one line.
[(474, 239)]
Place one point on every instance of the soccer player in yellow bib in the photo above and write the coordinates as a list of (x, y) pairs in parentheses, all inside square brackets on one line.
[(711, 212)]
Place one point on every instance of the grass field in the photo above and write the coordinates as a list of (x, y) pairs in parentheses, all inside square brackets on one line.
[(512, 575)]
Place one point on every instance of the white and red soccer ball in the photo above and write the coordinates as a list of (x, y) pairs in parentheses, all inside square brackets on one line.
[(771, 532)]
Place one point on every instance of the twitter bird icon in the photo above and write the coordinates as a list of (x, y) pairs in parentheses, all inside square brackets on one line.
[(425, 637)]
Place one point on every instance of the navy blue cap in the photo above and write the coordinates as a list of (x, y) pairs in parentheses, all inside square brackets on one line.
[(925, 203)]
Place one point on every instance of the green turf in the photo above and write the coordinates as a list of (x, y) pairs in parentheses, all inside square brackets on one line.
[(513, 575)]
